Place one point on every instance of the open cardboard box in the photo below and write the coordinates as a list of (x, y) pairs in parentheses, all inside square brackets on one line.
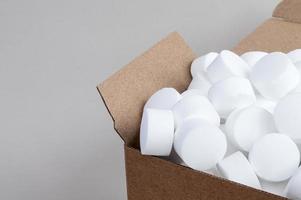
[(167, 64)]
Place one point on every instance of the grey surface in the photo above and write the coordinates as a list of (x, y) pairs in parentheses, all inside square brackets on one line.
[(56, 138)]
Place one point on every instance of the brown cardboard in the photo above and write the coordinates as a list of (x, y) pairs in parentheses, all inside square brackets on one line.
[(167, 65)]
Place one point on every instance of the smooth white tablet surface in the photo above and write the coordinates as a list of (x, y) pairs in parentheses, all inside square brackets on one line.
[(274, 187), (201, 83), (252, 57), (227, 64), (293, 188), (295, 55), (195, 106), (267, 104), (164, 98), (237, 168), (274, 157), (200, 144), (298, 88), (231, 93), (200, 64), (156, 132), (192, 92), (245, 126), (287, 116), (274, 76)]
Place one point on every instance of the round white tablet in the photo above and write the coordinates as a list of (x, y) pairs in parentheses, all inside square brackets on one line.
[(200, 64), (195, 106), (252, 57), (156, 132), (164, 98), (295, 55), (267, 104), (274, 157), (231, 93), (227, 64), (237, 168), (247, 125), (201, 83), (200, 144), (192, 92), (292, 190), (287, 116), (298, 88), (274, 76)]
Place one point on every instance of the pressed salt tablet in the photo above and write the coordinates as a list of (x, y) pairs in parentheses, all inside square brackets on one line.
[(274, 76), (274, 157), (200, 83), (287, 116), (298, 88), (247, 125), (200, 64), (192, 92), (231, 93), (252, 57), (237, 168), (200, 144), (226, 64), (164, 98), (267, 104), (292, 190), (295, 55), (156, 132), (195, 106)]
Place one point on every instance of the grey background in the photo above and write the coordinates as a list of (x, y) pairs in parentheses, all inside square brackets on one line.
[(56, 138)]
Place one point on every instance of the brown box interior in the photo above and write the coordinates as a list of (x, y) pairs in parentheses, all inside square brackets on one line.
[(167, 64)]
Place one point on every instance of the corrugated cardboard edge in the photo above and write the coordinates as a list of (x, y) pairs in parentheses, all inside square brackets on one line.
[(289, 10), (167, 64)]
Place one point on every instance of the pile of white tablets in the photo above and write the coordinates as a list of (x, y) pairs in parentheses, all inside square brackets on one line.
[(250, 104)]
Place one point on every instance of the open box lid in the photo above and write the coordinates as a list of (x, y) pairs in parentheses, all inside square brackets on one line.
[(167, 64)]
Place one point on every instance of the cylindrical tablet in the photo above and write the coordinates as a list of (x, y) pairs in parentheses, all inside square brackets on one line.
[(287, 116), (195, 106), (247, 125), (231, 93), (298, 88), (252, 57), (274, 76), (295, 55), (200, 64), (227, 64), (192, 92), (156, 132), (274, 157), (267, 104), (200, 144), (201, 83), (237, 168), (292, 190), (164, 98)]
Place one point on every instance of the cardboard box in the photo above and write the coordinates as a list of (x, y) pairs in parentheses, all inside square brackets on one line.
[(167, 64)]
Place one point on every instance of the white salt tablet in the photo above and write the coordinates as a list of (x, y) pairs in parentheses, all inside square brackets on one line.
[(227, 64), (292, 190), (200, 144), (274, 76), (274, 157), (252, 57), (200, 64), (231, 93), (195, 106), (287, 116), (200, 83), (295, 55), (164, 98), (247, 125), (237, 168), (276, 188), (156, 132), (267, 104), (192, 92), (298, 88)]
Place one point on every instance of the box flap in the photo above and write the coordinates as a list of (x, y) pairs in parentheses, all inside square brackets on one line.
[(166, 64), (289, 10)]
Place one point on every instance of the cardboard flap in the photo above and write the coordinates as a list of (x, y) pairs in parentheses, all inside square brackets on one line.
[(289, 10), (167, 64)]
